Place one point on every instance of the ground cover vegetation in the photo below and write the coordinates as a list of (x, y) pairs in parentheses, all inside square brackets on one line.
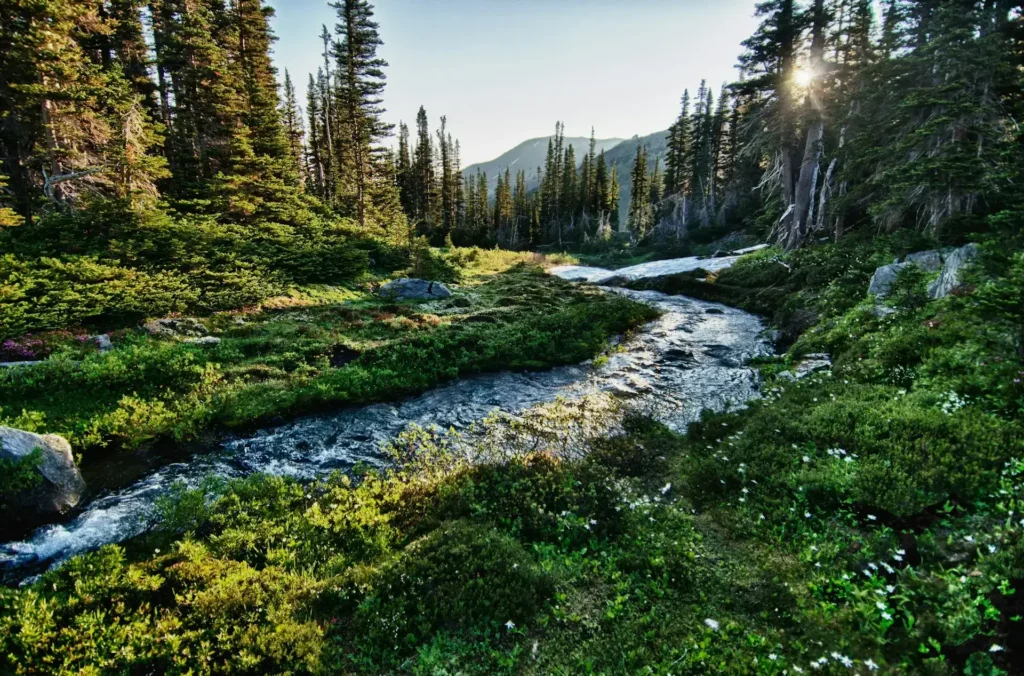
[(300, 359)]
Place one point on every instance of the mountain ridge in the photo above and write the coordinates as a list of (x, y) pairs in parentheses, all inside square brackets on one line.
[(530, 154)]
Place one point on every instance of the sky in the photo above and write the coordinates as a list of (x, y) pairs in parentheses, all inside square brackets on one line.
[(504, 71)]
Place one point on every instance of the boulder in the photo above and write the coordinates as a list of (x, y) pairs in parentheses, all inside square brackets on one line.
[(15, 364), (812, 363), (950, 262), (615, 280), (171, 327), (749, 249), (62, 486), (929, 261), (407, 288), (884, 278), (953, 265), (102, 342), (204, 340)]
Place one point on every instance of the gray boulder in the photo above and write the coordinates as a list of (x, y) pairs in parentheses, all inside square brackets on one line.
[(950, 262), (884, 278), (407, 288), (171, 327), (953, 265), (929, 261), (16, 364), (62, 486), (205, 340), (812, 363), (103, 342)]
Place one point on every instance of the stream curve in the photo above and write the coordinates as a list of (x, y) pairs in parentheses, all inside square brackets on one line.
[(691, 358)]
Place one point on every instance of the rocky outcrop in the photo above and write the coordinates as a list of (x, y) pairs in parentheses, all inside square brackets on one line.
[(413, 289), (810, 364), (952, 267), (176, 327), (62, 485), (951, 262), (884, 278)]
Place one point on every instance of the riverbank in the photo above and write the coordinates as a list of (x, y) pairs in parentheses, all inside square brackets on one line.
[(864, 518)]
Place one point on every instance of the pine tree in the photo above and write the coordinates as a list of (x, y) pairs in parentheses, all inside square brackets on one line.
[(129, 49), (404, 169), (71, 122), (568, 192), (422, 186), (361, 82), (291, 117), (317, 145), (656, 182), (639, 219), (447, 179), (260, 106), (677, 160), (486, 233)]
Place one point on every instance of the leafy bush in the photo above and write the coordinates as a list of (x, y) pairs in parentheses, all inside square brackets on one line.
[(460, 576)]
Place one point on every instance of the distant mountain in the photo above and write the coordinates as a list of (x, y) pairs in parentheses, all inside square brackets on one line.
[(531, 154), (622, 156), (618, 152)]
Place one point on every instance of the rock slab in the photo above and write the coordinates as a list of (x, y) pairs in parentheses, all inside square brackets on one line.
[(409, 288), (952, 266), (62, 486), (951, 262), (170, 327)]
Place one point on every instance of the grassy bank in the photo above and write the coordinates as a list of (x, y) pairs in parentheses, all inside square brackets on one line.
[(867, 518), (307, 355)]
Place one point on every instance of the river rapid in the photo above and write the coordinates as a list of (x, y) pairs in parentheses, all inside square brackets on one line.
[(693, 357)]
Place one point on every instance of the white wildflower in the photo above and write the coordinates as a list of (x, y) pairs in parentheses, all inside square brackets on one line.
[(510, 625), (711, 624), (871, 665)]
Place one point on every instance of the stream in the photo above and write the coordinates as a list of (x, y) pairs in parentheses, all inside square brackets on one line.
[(692, 358)]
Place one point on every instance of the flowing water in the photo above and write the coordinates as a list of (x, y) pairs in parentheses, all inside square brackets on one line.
[(692, 358)]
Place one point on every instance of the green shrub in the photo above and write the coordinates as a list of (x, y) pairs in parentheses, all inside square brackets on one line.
[(461, 576), (19, 474)]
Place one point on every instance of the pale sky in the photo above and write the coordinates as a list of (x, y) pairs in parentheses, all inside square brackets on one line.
[(504, 71)]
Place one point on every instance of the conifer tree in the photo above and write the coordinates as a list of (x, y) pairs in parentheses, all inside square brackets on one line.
[(677, 159), (404, 170), (361, 82), (422, 186), (292, 119), (599, 204), (639, 219), (483, 225), (317, 146)]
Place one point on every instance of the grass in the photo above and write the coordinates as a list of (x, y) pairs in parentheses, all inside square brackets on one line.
[(318, 348), (867, 518)]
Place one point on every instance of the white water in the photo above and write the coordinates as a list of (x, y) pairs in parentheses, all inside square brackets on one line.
[(692, 358), (644, 270)]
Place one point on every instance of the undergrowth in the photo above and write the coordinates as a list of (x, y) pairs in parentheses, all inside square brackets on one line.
[(859, 520)]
